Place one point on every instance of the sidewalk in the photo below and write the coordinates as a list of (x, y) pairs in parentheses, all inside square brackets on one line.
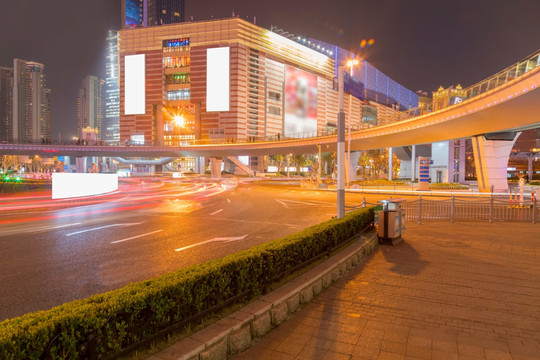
[(450, 291)]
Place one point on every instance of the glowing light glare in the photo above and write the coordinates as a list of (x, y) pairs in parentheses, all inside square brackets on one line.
[(282, 42), (179, 120), (352, 62), (217, 79), (134, 84), (69, 185)]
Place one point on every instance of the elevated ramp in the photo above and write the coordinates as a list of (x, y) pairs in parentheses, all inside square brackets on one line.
[(235, 166)]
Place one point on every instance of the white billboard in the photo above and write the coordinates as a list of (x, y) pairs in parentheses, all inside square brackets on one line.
[(69, 185), (217, 79), (134, 84)]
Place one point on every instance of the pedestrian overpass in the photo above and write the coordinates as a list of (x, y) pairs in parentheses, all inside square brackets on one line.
[(496, 110)]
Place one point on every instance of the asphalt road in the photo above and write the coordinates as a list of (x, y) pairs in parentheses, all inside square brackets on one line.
[(52, 252)]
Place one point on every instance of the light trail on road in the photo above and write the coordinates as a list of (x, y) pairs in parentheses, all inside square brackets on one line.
[(51, 255)]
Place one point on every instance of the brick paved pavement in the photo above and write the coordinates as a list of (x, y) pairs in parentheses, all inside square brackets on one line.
[(450, 291)]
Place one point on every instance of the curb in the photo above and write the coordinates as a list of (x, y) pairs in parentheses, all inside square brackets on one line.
[(237, 332)]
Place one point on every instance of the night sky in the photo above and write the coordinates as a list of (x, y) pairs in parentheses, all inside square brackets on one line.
[(419, 43)]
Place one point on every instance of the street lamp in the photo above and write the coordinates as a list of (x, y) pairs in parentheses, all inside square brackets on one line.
[(179, 120), (340, 148), (350, 64), (341, 142)]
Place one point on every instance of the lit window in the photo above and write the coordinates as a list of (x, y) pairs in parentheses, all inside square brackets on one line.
[(176, 14), (163, 11)]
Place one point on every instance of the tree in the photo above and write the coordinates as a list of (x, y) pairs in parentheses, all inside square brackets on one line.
[(330, 160), (10, 162), (299, 161), (313, 161), (35, 165), (279, 161)]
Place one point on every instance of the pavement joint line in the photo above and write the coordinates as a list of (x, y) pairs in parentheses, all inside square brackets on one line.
[(259, 315)]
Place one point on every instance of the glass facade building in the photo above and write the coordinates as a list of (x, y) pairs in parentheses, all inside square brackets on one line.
[(6, 103), (90, 106), (31, 102), (371, 83), (111, 127), (137, 13)]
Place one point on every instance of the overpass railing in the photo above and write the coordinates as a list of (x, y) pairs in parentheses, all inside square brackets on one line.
[(502, 77)]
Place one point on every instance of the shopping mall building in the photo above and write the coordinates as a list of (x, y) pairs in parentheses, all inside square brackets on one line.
[(230, 80)]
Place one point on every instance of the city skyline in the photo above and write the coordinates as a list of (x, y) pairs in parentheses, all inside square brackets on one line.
[(450, 44)]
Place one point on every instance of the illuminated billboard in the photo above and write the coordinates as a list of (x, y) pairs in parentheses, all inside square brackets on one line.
[(300, 101), (134, 84), (69, 185), (217, 79)]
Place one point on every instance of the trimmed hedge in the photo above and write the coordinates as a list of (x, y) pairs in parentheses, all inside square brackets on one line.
[(128, 315), (7, 187), (448, 186)]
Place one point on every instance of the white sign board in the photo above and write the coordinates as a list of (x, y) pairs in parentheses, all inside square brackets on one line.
[(217, 79), (134, 84), (70, 185)]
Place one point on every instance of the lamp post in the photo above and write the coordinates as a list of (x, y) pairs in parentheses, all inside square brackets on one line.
[(340, 148), (350, 63), (341, 142)]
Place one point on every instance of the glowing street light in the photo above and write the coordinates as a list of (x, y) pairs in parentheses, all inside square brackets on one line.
[(179, 120), (350, 63)]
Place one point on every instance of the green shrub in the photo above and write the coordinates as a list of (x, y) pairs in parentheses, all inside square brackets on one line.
[(378, 182), (12, 186), (128, 315), (448, 186)]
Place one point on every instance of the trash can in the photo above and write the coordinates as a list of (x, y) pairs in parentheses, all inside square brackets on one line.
[(391, 221)]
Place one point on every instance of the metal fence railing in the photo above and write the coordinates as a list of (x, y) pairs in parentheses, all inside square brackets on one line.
[(490, 209), (523, 66)]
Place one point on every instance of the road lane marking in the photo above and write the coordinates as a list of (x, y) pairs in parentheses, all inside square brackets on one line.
[(135, 237), (222, 239), (215, 212), (251, 222), (103, 227), (296, 201), (282, 203), (45, 228), (62, 226)]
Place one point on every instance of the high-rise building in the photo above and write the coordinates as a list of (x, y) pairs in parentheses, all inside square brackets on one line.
[(111, 132), (133, 13), (161, 12), (6, 103), (31, 102), (152, 12), (181, 82), (90, 106)]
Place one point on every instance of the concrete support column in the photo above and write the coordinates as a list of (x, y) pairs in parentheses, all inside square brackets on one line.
[(199, 165), (491, 160), (215, 168), (530, 167), (80, 163), (353, 164), (319, 170), (413, 163), (390, 164)]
